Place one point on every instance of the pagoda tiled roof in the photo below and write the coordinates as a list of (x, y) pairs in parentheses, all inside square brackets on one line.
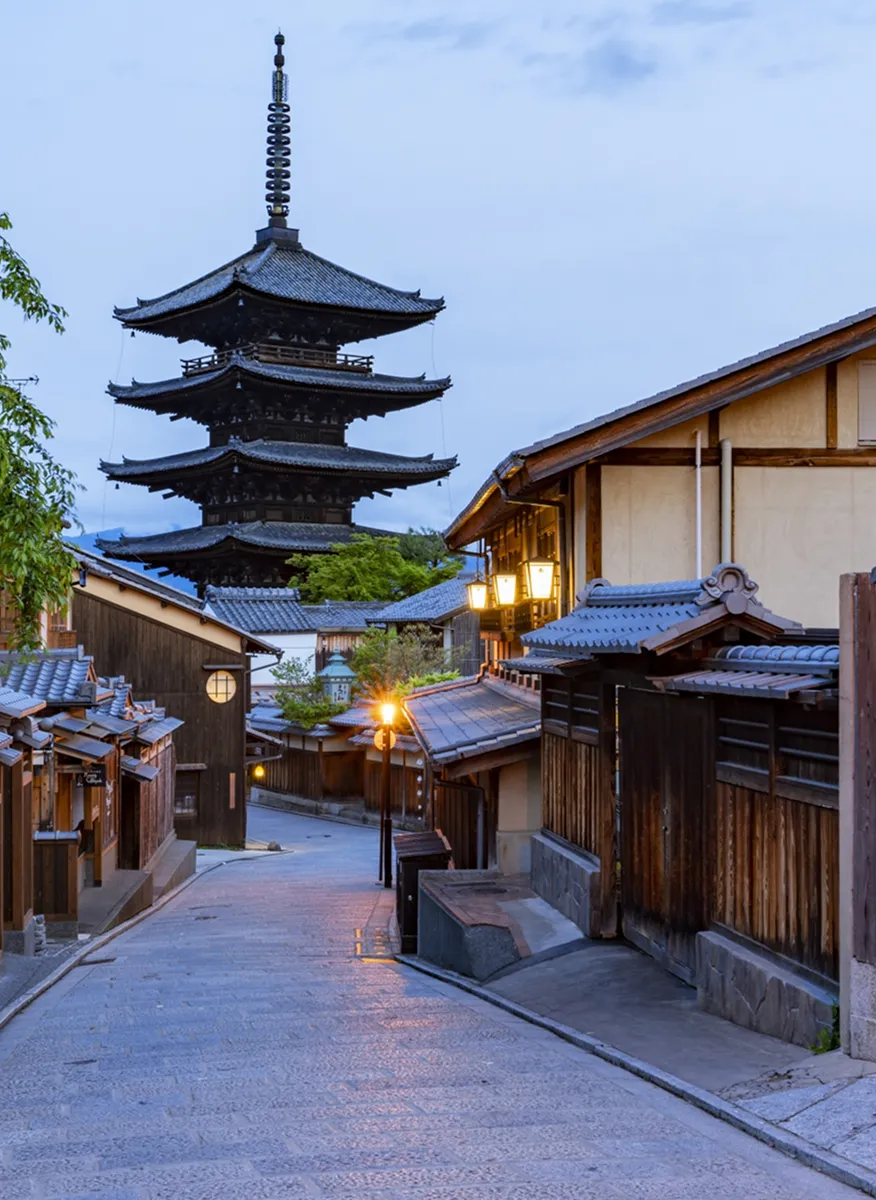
[(313, 377), (286, 271), (274, 536), (310, 456)]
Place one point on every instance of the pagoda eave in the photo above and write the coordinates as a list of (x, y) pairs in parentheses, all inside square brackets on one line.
[(240, 313)]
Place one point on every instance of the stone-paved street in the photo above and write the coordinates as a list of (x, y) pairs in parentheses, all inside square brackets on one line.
[(248, 1042)]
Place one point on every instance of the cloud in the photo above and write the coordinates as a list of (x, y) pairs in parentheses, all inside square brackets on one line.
[(610, 66), (443, 31), (699, 12)]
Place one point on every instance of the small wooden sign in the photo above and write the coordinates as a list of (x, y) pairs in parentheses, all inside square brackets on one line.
[(378, 739), (94, 776)]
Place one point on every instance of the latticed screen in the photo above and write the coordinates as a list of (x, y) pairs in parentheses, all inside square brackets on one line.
[(221, 687)]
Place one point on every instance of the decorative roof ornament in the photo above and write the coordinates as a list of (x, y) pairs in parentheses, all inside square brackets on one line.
[(731, 584), (278, 161)]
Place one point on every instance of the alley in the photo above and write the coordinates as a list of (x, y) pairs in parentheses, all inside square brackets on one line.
[(251, 1040)]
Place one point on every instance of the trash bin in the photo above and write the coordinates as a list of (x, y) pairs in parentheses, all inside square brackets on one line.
[(416, 852)]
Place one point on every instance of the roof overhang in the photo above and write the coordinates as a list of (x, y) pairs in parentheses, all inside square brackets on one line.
[(533, 467)]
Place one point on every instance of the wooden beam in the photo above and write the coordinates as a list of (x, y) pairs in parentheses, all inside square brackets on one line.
[(831, 420), (594, 521), (743, 456), (714, 428)]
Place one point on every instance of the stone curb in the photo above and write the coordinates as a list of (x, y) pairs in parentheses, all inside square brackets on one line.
[(828, 1163), (25, 1000)]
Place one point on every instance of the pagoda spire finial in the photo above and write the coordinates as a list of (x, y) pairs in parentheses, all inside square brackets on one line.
[(277, 195)]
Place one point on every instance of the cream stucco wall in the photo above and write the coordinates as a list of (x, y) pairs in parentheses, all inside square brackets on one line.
[(519, 815), (789, 414), (649, 523), (684, 434), (579, 525), (797, 530)]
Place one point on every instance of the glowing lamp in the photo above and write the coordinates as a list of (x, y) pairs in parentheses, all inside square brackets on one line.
[(540, 578), (505, 587), (387, 714), (258, 771), (477, 595)]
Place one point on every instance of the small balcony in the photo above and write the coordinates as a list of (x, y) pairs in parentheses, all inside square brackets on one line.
[(274, 352)]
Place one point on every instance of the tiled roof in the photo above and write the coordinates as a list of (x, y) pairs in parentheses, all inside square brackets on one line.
[(813, 658), (763, 672), (268, 535), (86, 748), (434, 604), (151, 732), (145, 772), (57, 676), (632, 618), (287, 373), (288, 272), (360, 716), (15, 704), (261, 610), (278, 610), (309, 456), (472, 717)]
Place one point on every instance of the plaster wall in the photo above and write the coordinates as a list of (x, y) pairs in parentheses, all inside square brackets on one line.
[(649, 523), (579, 527), (519, 815), (684, 434), (796, 530), (787, 414)]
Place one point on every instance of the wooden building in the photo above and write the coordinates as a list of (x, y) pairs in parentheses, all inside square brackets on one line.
[(480, 739), (445, 609), (192, 663), (690, 769), (770, 461), (277, 394)]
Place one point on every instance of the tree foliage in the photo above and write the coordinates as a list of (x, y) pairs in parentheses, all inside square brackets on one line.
[(300, 695), (426, 547), (389, 663), (366, 568), (36, 492)]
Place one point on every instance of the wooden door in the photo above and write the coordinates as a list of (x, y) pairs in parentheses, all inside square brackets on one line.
[(664, 801)]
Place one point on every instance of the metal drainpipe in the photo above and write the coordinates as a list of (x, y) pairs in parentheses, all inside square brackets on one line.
[(726, 500)]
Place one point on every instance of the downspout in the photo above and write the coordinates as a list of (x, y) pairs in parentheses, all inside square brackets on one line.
[(726, 500), (698, 459)]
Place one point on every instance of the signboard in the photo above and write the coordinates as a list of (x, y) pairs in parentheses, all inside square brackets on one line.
[(94, 775), (378, 738)]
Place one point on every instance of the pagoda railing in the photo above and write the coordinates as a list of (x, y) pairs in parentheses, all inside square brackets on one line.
[(272, 352)]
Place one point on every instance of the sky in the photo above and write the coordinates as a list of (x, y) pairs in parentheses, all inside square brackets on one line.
[(612, 197)]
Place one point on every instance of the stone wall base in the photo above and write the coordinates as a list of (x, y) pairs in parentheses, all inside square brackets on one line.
[(752, 989), (477, 951), (21, 941), (569, 880), (862, 1010)]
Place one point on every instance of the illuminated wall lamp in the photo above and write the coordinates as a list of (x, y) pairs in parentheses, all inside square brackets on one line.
[(540, 578), (505, 588), (477, 595)]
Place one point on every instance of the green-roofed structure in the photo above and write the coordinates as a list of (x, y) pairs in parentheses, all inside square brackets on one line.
[(277, 393)]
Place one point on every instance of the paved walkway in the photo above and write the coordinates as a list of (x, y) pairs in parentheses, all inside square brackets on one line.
[(250, 1041)]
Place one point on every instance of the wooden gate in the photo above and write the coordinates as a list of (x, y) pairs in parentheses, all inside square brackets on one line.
[(664, 792)]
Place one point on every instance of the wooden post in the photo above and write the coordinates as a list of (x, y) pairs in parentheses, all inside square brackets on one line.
[(857, 815)]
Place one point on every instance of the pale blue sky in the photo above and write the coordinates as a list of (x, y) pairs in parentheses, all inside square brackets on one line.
[(612, 197)]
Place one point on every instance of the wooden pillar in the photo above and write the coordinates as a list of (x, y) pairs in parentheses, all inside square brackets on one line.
[(18, 853), (857, 815)]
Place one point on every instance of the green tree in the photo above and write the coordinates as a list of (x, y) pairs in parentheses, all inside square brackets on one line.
[(427, 547), (391, 662), (36, 492), (300, 696), (365, 568)]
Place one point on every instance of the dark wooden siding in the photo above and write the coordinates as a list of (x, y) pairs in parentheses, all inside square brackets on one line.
[(468, 649), (403, 785), (56, 876), (167, 665), (299, 773), (776, 874), (156, 800)]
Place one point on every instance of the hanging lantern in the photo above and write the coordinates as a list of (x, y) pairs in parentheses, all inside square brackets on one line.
[(505, 589), (540, 578), (477, 595)]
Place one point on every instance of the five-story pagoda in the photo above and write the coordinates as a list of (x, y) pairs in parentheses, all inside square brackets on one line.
[(277, 394)]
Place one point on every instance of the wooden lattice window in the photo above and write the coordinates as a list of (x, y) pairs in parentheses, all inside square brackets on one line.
[(571, 708), (780, 748)]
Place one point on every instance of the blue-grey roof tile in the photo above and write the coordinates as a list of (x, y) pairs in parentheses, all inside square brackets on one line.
[(56, 676), (15, 704), (273, 535), (287, 373), (278, 610), (306, 456), (471, 717), (288, 272), (435, 604)]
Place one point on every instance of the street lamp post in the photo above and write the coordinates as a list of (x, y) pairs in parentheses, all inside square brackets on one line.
[(387, 718)]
